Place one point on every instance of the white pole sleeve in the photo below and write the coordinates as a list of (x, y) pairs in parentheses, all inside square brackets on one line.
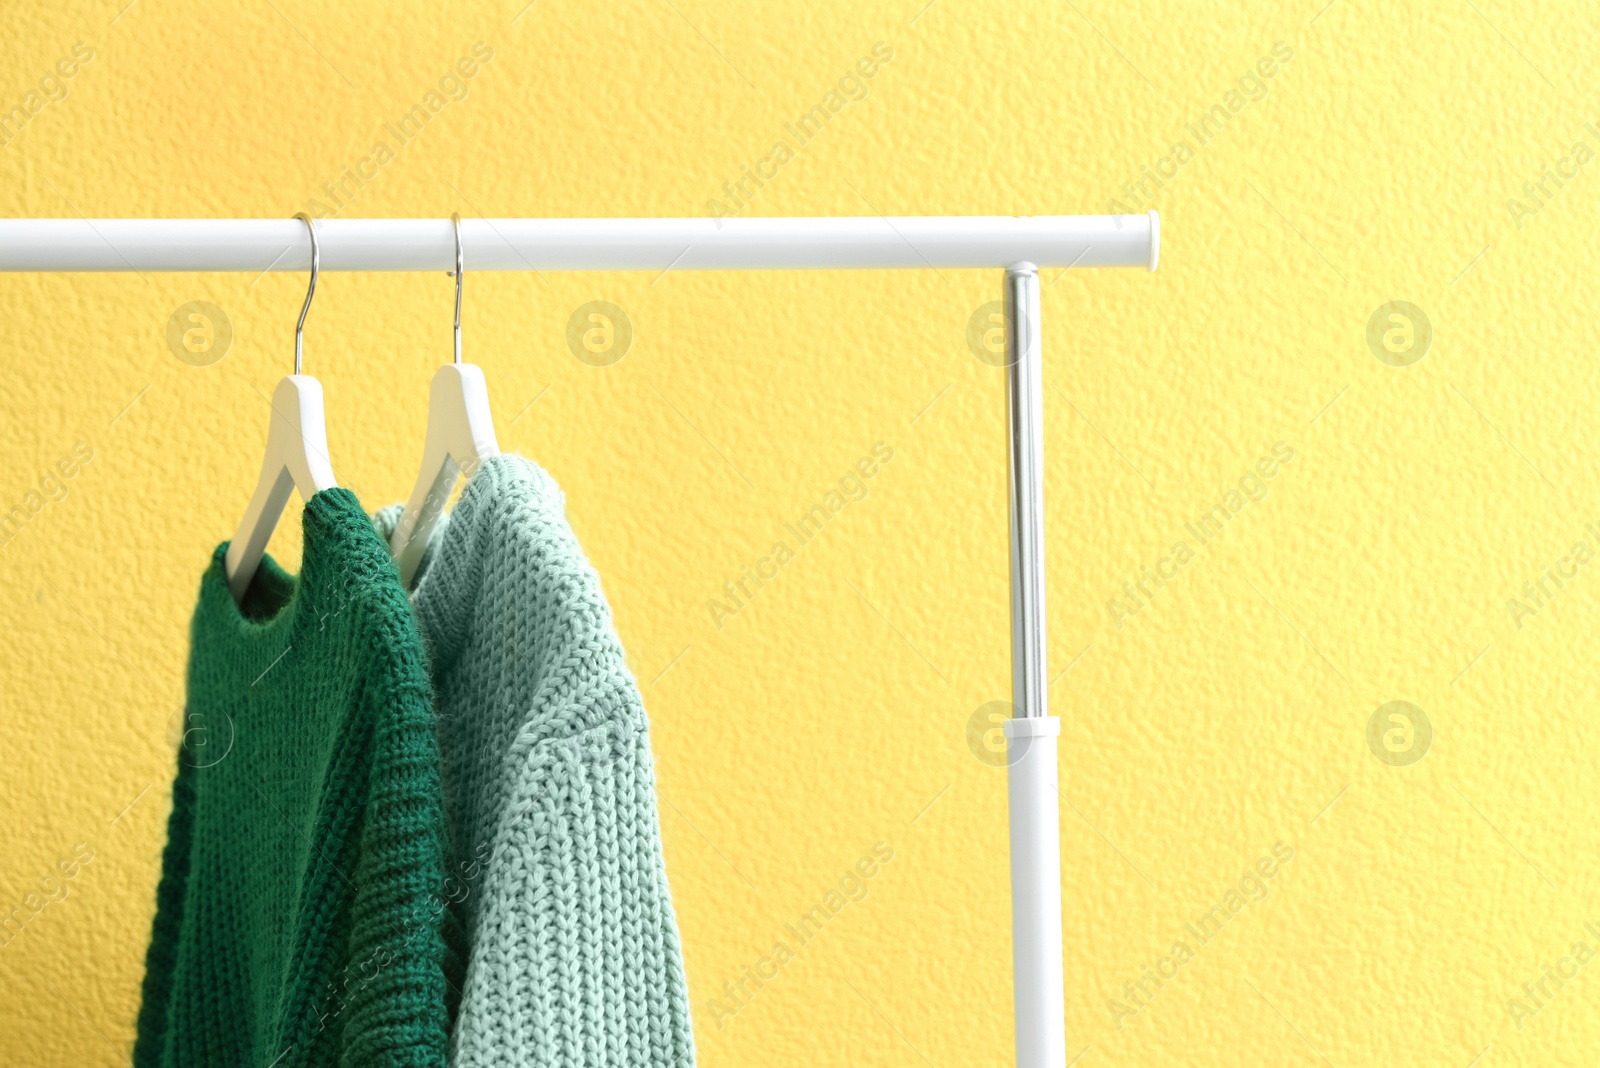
[(1036, 892)]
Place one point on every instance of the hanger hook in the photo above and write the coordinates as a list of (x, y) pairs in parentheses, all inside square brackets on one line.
[(316, 263), (455, 217)]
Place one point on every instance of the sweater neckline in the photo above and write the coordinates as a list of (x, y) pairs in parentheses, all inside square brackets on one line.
[(500, 499), (275, 598)]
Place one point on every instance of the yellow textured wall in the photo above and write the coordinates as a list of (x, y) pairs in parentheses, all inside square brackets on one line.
[(1441, 473)]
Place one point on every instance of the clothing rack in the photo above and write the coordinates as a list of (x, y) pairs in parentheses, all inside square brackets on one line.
[(1021, 246)]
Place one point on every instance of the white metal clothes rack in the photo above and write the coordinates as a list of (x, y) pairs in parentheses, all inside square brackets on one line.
[(1018, 245)]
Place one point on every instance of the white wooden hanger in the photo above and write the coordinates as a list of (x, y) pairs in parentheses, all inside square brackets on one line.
[(297, 454), (460, 436)]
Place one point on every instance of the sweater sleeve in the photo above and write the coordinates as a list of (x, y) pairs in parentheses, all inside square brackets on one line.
[(576, 953), (401, 951), (162, 954)]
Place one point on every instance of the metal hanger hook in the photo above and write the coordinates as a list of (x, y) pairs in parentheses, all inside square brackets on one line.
[(455, 217), (316, 263)]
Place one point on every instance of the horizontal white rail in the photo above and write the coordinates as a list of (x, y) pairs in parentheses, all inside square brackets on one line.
[(580, 244)]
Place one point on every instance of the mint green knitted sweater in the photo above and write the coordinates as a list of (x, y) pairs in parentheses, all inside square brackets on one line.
[(300, 918), (573, 952)]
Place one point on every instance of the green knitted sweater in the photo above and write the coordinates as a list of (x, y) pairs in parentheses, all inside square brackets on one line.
[(573, 953), (299, 917)]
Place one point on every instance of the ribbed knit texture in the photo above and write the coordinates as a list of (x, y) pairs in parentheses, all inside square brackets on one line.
[(299, 914), (573, 953)]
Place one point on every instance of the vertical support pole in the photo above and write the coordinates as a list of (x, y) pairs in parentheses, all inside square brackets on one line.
[(1031, 735)]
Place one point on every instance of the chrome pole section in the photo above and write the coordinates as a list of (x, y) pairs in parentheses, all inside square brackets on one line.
[(1025, 415), (1031, 735)]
